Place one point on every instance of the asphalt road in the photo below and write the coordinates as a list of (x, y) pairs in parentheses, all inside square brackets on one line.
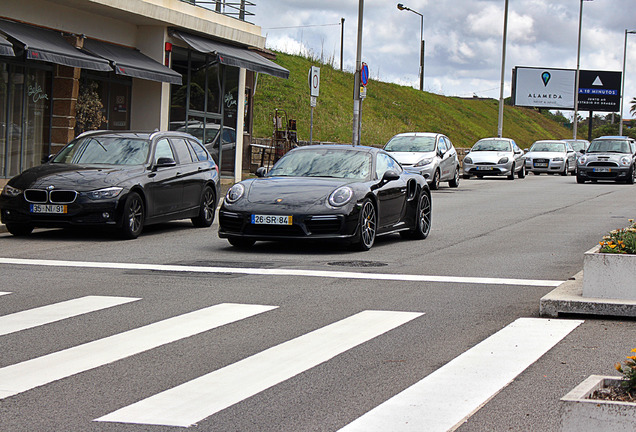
[(516, 237)]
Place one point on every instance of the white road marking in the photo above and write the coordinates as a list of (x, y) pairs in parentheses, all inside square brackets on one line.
[(58, 311), (4, 293), (444, 399), (282, 272), (195, 400), (29, 374)]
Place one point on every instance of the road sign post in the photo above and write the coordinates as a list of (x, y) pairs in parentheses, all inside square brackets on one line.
[(314, 91)]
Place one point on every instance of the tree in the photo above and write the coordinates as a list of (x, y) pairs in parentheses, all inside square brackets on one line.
[(633, 109)]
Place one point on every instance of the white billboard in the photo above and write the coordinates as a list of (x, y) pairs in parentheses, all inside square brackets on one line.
[(544, 88)]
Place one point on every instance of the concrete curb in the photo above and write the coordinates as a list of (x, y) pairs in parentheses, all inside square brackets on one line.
[(568, 298)]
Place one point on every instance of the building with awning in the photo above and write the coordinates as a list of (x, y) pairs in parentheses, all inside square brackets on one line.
[(67, 66)]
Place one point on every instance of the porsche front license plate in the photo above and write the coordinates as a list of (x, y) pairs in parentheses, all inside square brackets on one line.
[(271, 220), (48, 208)]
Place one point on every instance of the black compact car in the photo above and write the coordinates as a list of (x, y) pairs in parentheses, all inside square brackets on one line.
[(335, 192), (123, 180)]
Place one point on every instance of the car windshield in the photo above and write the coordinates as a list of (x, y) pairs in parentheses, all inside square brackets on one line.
[(577, 145), (608, 146), (411, 143), (491, 145), (105, 150), (337, 163), (547, 147)]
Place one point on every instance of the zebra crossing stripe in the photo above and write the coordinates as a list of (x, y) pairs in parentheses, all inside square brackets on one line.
[(444, 399), (195, 400), (58, 311), (29, 374)]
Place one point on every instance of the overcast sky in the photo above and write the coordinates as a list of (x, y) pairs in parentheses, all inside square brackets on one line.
[(463, 38)]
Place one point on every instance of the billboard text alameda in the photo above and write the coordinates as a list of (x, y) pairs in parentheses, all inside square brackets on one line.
[(544, 88)]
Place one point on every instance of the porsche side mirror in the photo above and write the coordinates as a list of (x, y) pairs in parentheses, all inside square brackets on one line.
[(45, 159), (390, 175), (261, 171)]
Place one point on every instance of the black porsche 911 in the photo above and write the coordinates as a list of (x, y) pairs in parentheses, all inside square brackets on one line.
[(123, 180), (336, 192)]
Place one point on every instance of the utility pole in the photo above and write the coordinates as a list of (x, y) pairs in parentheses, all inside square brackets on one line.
[(356, 79), (503, 70)]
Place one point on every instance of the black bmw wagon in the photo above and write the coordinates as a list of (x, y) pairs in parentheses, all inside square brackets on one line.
[(123, 180)]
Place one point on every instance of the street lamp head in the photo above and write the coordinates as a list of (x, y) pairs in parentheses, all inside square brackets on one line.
[(630, 31), (400, 6)]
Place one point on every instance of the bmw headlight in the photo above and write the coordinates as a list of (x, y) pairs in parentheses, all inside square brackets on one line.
[(558, 159), (235, 193), (503, 160), (626, 161), (106, 193), (340, 196), (468, 160), (423, 162), (10, 191)]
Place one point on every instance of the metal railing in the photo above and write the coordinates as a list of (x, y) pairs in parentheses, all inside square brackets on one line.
[(236, 9)]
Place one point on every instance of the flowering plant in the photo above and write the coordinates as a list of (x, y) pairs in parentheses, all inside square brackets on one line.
[(620, 241), (628, 369)]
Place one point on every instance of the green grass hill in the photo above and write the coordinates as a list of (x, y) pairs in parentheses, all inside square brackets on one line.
[(387, 110)]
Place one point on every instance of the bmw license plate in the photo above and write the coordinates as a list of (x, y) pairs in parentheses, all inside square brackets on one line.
[(48, 208), (602, 170), (271, 220)]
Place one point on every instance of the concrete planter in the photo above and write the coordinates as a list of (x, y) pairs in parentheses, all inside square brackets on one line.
[(580, 414), (609, 276)]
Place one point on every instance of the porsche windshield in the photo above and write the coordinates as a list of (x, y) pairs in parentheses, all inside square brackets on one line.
[(336, 163), (491, 145), (105, 150), (411, 143), (609, 146)]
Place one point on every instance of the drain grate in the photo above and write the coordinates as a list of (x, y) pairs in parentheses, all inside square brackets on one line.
[(357, 264)]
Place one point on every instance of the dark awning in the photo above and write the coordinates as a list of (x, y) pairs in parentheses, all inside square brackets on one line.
[(49, 46), (232, 55), (131, 62), (6, 49)]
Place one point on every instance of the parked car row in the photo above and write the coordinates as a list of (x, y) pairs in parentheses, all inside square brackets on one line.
[(352, 194)]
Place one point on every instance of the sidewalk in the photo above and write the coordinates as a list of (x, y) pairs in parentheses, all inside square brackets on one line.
[(568, 298)]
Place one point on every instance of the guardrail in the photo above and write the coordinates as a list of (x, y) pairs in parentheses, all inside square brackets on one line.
[(235, 9)]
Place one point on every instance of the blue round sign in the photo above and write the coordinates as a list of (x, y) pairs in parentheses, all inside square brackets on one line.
[(364, 74)]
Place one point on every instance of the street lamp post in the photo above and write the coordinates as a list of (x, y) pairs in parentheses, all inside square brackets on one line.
[(400, 6), (620, 127), (503, 70), (578, 68)]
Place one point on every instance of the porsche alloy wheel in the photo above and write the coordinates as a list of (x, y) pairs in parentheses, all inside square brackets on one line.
[(368, 226), (423, 221)]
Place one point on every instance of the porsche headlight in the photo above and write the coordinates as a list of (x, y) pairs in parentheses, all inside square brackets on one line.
[(235, 193), (106, 193), (423, 162), (468, 160), (10, 191), (626, 161), (503, 160), (340, 196)]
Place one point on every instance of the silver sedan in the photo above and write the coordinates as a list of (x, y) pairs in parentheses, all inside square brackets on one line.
[(551, 156), (494, 157)]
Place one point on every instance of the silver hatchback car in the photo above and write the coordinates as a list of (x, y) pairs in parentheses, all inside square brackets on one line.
[(430, 154), (493, 157)]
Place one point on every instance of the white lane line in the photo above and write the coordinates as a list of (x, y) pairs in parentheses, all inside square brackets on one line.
[(445, 398), (4, 293), (58, 311), (283, 272), (195, 400), (29, 374)]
